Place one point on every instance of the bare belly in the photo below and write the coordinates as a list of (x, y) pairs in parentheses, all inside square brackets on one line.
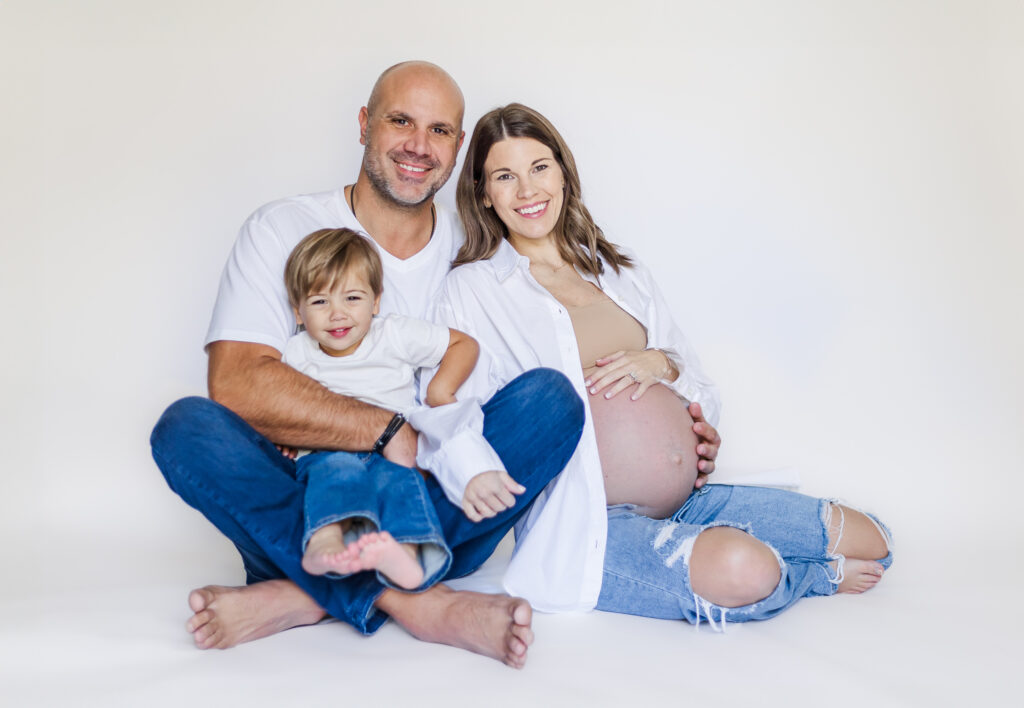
[(648, 450)]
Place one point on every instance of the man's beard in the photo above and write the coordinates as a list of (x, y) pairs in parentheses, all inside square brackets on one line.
[(375, 173)]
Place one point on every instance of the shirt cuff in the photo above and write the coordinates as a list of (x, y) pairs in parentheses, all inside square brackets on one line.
[(452, 446)]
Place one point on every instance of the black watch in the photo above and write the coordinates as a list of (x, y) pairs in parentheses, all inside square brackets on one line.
[(389, 432)]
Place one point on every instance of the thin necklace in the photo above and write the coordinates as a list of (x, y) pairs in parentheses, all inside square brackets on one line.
[(352, 206), (553, 269)]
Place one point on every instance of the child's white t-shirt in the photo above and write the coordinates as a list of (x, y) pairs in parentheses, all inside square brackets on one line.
[(382, 370)]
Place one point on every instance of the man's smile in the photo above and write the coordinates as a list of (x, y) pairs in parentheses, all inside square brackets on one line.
[(411, 168)]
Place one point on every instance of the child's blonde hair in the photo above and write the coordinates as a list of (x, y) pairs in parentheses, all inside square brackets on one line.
[(320, 259)]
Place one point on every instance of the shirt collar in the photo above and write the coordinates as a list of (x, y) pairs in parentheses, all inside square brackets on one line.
[(506, 260)]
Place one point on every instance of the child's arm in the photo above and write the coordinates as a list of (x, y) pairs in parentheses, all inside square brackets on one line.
[(455, 367)]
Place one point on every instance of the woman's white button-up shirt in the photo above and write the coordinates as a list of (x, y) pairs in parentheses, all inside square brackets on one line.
[(558, 561)]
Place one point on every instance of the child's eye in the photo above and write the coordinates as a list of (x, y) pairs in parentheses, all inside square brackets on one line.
[(354, 298)]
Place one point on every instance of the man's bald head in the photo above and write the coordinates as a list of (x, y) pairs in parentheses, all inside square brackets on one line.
[(412, 130), (416, 73)]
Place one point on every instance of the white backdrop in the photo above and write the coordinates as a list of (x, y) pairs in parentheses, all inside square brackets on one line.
[(830, 193)]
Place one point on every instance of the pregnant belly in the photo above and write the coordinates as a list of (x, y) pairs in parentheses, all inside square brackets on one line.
[(648, 449)]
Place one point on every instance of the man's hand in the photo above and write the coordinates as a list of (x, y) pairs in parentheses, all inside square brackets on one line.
[(401, 449), (707, 445), (490, 493)]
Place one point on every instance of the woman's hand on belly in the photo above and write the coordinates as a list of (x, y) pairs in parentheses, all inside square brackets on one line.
[(618, 371)]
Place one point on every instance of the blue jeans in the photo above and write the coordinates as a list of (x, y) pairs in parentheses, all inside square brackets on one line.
[(236, 478), (646, 566), (377, 495)]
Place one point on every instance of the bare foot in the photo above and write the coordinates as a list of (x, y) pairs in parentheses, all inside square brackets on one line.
[(860, 575), (497, 626), (397, 561), (226, 616), (326, 552)]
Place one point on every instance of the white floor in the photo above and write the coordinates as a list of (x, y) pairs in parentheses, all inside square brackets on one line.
[(91, 620)]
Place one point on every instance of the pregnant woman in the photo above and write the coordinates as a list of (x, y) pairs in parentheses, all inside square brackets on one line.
[(622, 528)]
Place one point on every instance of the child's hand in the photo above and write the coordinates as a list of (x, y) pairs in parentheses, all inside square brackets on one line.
[(290, 452), (490, 493)]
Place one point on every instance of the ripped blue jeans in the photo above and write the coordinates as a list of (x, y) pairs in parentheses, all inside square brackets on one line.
[(646, 566)]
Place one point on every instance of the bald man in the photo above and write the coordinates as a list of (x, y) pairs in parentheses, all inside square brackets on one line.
[(219, 453)]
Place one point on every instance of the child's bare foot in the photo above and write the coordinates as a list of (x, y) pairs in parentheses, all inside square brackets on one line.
[(326, 552), (860, 575), (396, 561), (225, 616)]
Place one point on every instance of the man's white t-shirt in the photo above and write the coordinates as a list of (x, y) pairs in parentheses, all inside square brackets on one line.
[(252, 304)]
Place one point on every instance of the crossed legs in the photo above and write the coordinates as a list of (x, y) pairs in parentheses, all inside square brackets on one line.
[(223, 468)]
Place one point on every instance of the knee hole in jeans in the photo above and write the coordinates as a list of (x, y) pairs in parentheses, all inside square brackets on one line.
[(854, 534), (731, 568)]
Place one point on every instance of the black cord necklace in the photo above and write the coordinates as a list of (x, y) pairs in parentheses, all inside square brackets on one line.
[(352, 206)]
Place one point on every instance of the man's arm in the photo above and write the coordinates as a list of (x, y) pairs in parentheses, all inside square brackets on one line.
[(292, 409)]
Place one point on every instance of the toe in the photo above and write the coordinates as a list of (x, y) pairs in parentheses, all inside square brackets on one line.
[(199, 599), (522, 613), (516, 661), (198, 620), (205, 636), (523, 634)]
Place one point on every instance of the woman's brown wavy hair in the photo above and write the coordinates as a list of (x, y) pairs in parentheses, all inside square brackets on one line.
[(580, 241)]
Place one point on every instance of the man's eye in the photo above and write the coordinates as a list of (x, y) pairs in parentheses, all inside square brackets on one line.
[(441, 131), (400, 121)]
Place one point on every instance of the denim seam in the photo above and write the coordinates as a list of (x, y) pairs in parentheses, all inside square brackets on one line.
[(434, 539)]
